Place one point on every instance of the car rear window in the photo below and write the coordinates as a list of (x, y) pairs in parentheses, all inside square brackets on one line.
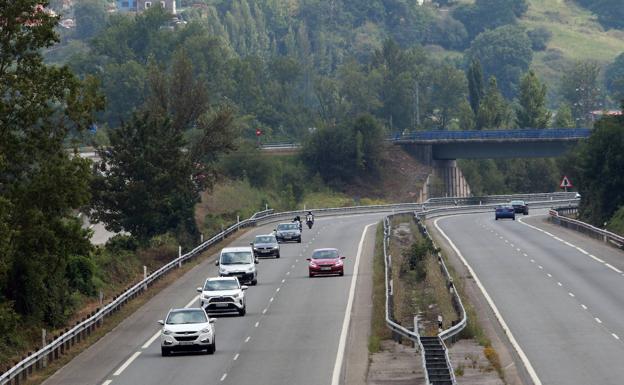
[(288, 226)]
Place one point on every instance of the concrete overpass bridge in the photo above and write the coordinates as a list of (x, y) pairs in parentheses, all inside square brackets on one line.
[(441, 149), (491, 144)]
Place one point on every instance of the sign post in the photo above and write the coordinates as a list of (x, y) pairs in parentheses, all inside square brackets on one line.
[(258, 133), (565, 183)]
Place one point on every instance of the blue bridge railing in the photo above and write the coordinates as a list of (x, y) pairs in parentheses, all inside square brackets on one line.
[(552, 133)]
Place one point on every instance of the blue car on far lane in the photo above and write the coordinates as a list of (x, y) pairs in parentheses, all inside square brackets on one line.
[(505, 211)]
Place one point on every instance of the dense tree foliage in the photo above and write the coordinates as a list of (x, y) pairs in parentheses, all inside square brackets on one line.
[(494, 110), (610, 12), (505, 53), (599, 171), (489, 14), (340, 154), (614, 76), (41, 186), (532, 111), (580, 88)]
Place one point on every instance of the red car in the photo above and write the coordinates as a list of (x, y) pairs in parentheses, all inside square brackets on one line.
[(326, 261)]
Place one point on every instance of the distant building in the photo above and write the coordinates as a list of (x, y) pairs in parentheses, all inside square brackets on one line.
[(142, 5), (169, 5), (127, 5)]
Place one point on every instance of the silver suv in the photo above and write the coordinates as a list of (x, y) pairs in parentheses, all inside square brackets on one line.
[(187, 329), (288, 232), (223, 294)]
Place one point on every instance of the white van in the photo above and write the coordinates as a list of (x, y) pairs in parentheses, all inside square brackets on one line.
[(238, 262)]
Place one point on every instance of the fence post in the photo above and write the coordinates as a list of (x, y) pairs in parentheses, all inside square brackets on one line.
[(201, 238), (144, 277), (43, 344), (179, 255), (222, 233), (238, 222)]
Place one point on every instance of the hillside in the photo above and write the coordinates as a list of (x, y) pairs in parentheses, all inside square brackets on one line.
[(576, 35)]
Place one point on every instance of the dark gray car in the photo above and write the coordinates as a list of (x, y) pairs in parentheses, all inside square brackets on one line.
[(286, 232), (266, 246)]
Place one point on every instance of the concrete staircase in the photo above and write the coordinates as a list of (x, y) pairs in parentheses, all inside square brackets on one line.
[(435, 359)]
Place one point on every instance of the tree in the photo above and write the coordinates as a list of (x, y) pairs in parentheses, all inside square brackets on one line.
[(599, 171), (563, 118), (90, 18), (494, 110), (475, 85), (489, 14), (146, 188), (579, 87), (505, 53), (41, 186), (540, 37), (449, 86), (532, 111), (614, 78)]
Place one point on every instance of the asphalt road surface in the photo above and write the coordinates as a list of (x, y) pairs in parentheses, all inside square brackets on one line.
[(294, 332), (560, 294)]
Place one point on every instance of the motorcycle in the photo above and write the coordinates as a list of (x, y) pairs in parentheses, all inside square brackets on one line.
[(310, 223)]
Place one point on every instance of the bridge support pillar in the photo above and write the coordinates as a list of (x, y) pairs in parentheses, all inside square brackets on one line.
[(452, 179)]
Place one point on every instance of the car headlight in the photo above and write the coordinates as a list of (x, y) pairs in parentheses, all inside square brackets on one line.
[(312, 263), (251, 269), (222, 271), (166, 332), (206, 330), (338, 263), (206, 296)]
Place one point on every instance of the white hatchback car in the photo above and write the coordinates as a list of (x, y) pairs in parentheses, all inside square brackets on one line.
[(223, 294), (187, 329)]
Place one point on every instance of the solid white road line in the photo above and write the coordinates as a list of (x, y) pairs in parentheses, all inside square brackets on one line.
[(613, 268), (127, 363), (107, 382), (501, 320), (347, 317), (151, 340)]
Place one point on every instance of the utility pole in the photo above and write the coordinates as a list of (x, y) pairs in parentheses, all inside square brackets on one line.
[(417, 103)]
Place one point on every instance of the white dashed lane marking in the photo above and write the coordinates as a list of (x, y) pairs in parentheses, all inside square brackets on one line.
[(236, 356), (223, 377)]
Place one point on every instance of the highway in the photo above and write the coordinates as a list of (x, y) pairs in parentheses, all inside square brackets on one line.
[(559, 293), (295, 331)]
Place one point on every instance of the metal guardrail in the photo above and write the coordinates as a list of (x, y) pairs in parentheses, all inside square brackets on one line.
[(36, 360), (585, 228), (493, 135)]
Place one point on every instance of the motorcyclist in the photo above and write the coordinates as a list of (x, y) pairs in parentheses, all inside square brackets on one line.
[(298, 220), (309, 219)]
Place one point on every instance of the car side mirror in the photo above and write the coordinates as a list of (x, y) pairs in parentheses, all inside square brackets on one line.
[(251, 243), (212, 320), (217, 262), (275, 230), (342, 257), (244, 287), (256, 261), (161, 322), (199, 290), (308, 259)]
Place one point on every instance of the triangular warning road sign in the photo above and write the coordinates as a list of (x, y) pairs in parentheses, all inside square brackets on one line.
[(565, 182)]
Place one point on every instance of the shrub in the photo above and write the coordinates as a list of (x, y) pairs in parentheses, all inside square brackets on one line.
[(539, 38)]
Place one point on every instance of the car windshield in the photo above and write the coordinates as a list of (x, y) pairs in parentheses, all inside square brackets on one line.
[(236, 258), (264, 239), (186, 317), (325, 254), (288, 226), (517, 203), (226, 284)]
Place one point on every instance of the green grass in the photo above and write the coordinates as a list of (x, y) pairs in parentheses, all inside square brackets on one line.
[(576, 36), (379, 330)]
